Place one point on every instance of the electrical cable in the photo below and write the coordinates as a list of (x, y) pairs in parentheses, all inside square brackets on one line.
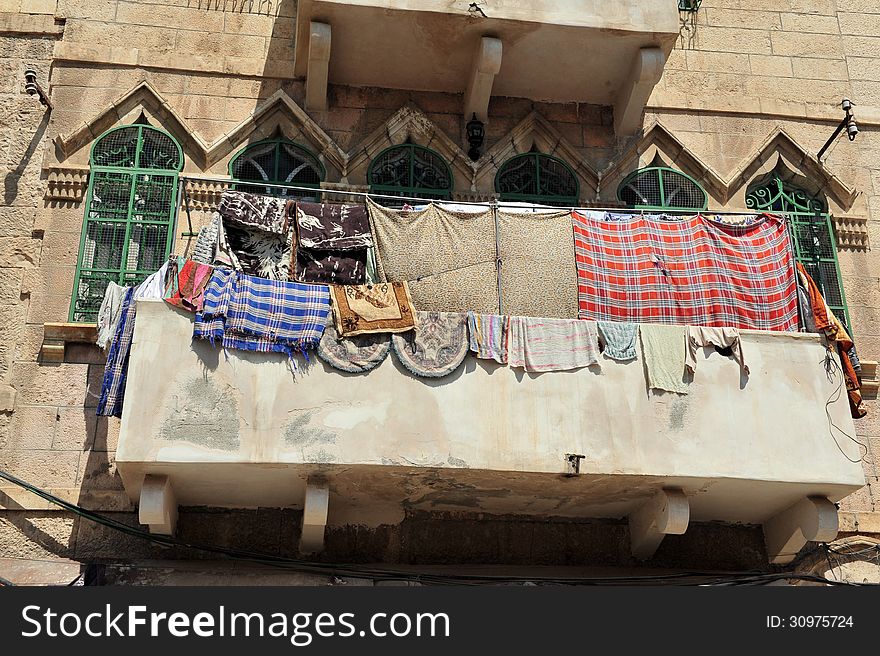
[(383, 574)]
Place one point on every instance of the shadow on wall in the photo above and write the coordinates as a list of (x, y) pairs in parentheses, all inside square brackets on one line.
[(12, 178)]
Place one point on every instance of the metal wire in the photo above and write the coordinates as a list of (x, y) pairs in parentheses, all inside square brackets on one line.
[(486, 204)]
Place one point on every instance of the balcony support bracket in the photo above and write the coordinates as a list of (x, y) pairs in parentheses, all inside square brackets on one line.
[(314, 516), (812, 519), (666, 513), (486, 64), (158, 506), (319, 66), (643, 76)]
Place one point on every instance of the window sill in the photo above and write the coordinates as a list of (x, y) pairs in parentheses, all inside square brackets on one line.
[(56, 336)]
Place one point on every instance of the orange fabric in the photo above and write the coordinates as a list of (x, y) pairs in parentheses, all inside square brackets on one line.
[(835, 332)]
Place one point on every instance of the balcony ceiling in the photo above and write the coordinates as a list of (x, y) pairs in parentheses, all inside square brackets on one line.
[(576, 50)]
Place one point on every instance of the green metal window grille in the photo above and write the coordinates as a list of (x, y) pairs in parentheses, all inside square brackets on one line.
[(812, 235), (278, 161), (411, 170), (537, 178), (662, 188), (129, 213)]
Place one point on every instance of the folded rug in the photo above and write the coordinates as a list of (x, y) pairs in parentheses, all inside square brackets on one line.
[(353, 354), (333, 226), (382, 308), (437, 346)]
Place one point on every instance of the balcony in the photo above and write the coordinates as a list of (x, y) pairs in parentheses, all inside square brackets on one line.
[(590, 51), (204, 428)]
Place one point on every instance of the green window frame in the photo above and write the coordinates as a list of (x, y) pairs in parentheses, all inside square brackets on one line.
[(128, 228), (537, 178), (662, 188), (411, 170), (812, 235), (277, 161)]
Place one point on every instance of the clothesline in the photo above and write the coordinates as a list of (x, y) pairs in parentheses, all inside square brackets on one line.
[(486, 204)]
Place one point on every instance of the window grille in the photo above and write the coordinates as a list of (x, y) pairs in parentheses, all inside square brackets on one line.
[(411, 170), (129, 212), (537, 178), (811, 234), (662, 188), (280, 162)]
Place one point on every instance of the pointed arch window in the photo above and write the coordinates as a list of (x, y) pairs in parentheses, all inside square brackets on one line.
[(129, 212), (537, 178), (277, 161), (812, 235), (662, 188), (412, 171)]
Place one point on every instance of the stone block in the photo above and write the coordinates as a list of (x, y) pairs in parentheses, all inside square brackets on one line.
[(42, 468), (770, 65), (811, 68), (75, 429), (824, 46), (38, 7), (61, 384), (726, 39), (32, 428), (178, 17), (36, 534), (106, 434), (10, 286), (104, 10), (97, 471), (859, 23), (7, 398), (811, 24), (723, 62), (19, 252), (744, 19), (220, 45), (16, 221)]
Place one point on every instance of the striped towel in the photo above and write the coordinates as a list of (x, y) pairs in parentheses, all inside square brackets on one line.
[(552, 344), (488, 336), (291, 314), (116, 368)]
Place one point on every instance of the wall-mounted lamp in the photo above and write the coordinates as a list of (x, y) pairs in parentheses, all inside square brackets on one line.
[(33, 88), (848, 122), (476, 132), (689, 5)]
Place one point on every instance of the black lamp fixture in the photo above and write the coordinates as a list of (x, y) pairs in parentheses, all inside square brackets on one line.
[(848, 123), (33, 88), (476, 132)]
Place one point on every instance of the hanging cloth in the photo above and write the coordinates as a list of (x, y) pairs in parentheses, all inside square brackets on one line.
[(539, 344), (108, 315), (720, 338), (619, 339), (488, 336), (663, 350)]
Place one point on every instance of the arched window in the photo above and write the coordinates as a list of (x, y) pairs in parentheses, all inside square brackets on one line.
[(537, 178), (129, 213), (811, 233), (278, 161), (410, 170), (662, 188)]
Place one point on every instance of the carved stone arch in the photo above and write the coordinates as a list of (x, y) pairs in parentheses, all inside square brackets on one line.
[(535, 134), (855, 558), (659, 143), (279, 115), (779, 149), (73, 148), (409, 124)]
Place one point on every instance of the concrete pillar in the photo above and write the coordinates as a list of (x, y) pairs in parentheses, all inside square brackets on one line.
[(314, 516), (644, 73), (810, 519), (666, 513), (319, 66), (486, 64), (158, 507)]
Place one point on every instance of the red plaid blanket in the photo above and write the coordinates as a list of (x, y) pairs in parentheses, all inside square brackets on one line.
[(692, 271)]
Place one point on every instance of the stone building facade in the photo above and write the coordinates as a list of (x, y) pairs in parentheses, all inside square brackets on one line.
[(749, 92)]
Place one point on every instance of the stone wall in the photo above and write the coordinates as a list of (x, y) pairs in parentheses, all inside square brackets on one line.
[(741, 71)]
